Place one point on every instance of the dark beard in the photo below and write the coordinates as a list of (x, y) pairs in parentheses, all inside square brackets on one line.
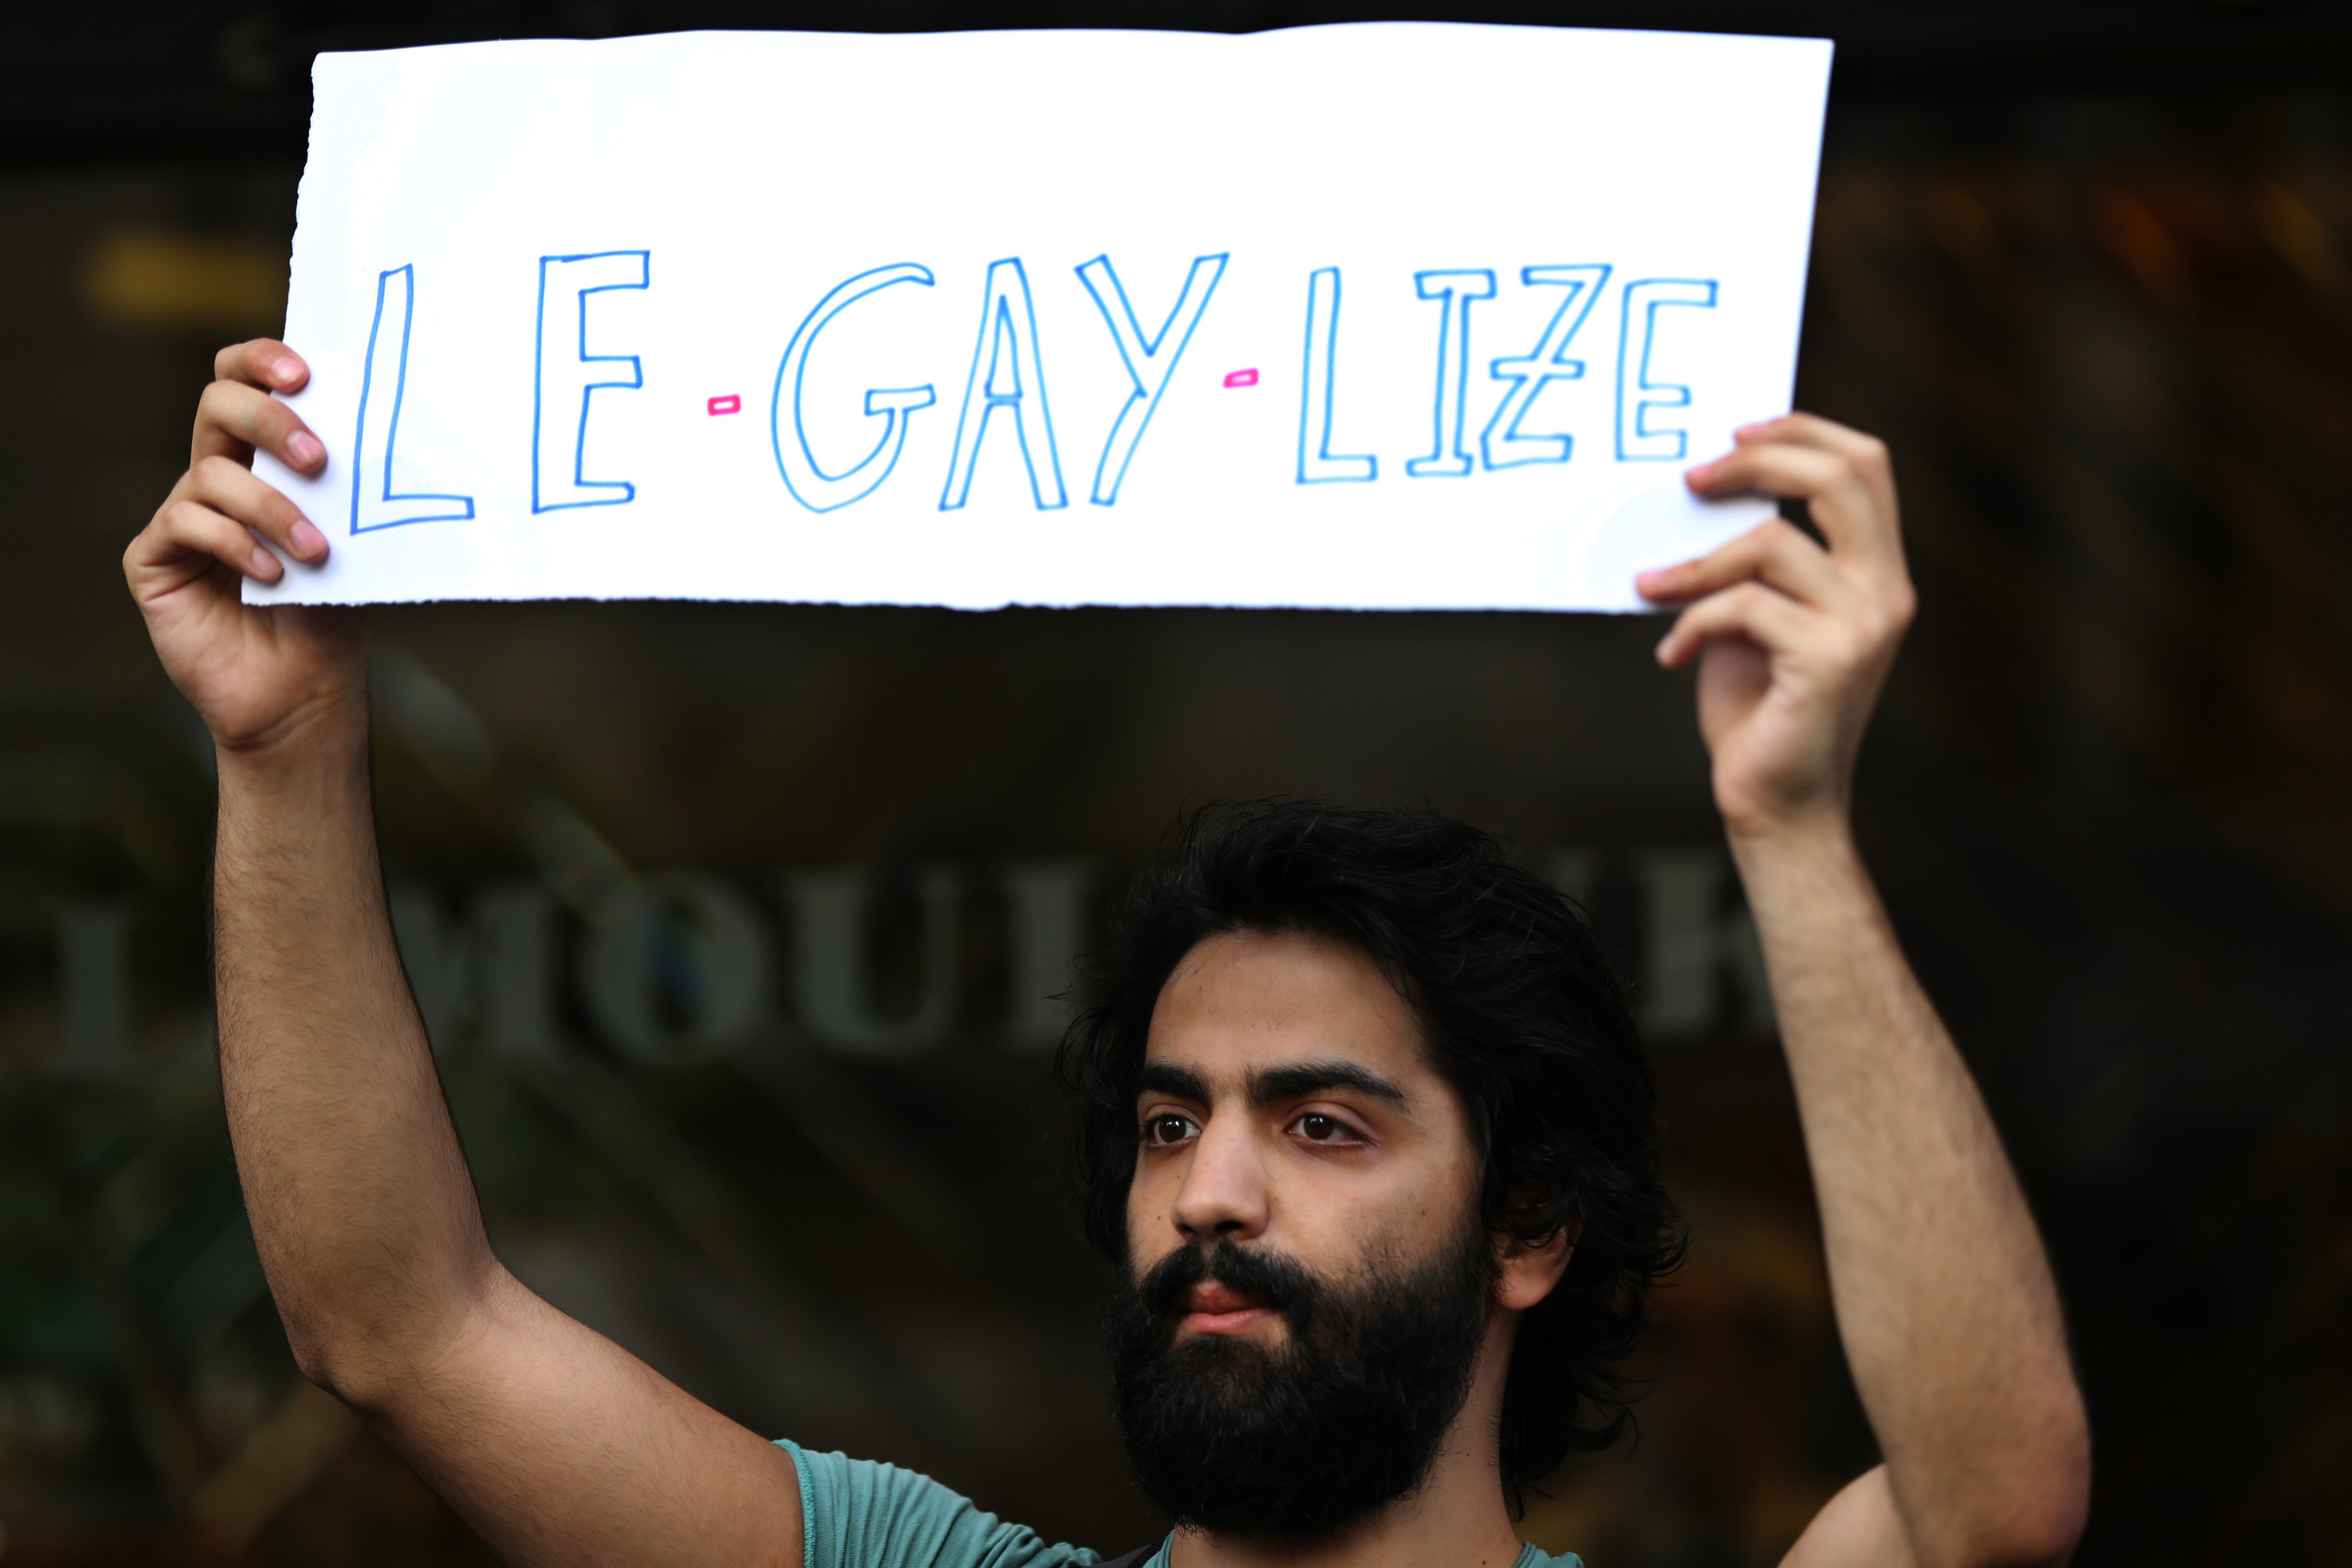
[(1230, 1436)]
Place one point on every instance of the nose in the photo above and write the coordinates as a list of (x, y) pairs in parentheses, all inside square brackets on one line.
[(1224, 1193)]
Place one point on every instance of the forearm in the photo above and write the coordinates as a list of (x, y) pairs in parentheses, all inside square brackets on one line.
[(360, 1200), (1944, 1297)]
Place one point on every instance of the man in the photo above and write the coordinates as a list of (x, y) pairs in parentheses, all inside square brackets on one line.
[(1363, 1116)]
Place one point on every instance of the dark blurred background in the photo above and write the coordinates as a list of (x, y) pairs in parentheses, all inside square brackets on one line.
[(735, 923)]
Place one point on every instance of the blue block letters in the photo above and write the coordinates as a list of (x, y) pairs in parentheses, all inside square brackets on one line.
[(386, 380), (1318, 467), (1007, 373), (1145, 368), (1637, 394), (795, 459), (1500, 445), (568, 375), (1457, 286)]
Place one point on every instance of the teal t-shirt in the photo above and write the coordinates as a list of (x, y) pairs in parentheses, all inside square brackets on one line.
[(855, 1513)]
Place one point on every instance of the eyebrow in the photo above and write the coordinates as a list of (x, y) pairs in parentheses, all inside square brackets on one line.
[(1292, 1080), (1298, 1079), (1177, 1083)]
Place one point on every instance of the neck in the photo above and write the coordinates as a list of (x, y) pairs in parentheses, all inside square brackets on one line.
[(1455, 1519)]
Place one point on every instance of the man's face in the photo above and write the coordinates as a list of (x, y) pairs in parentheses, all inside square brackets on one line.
[(1310, 1285), (1286, 1103)]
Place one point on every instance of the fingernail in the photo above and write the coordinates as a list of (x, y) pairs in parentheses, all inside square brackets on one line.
[(287, 371), (308, 542), (305, 449), (265, 564), (1751, 427)]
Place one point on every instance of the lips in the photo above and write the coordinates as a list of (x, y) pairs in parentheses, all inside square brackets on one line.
[(1212, 1308)]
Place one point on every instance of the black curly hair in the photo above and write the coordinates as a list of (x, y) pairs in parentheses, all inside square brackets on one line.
[(1522, 1014)]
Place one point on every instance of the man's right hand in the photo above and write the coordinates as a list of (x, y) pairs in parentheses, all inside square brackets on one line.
[(259, 675)]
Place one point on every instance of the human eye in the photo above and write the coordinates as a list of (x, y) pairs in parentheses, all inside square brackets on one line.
[(1166, 1129), (1320, 1127)]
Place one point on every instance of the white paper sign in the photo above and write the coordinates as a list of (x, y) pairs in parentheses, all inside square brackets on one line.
[(1391, 316)]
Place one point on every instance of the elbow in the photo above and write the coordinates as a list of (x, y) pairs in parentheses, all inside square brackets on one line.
[(2037, 1519), (2040, 1534), (377, 1363), (374, 1353), (338, 1366), (311, 1335), (368, 1363), (2052, 1513)]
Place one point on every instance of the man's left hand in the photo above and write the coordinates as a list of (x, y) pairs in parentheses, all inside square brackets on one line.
[(1793, 640)]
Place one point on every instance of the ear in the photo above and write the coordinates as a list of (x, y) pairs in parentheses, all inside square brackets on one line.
[(1527, 1272)]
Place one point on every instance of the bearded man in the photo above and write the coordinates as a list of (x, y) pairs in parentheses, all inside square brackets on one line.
[(1363, 1117)]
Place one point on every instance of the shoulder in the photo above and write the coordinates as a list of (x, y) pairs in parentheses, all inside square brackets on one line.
[(860, 1514)]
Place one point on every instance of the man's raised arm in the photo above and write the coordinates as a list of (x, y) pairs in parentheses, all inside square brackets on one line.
[(1943, 1300), (557, 1445)]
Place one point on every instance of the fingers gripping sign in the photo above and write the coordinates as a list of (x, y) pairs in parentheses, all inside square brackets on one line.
[(1793, 639), (251, 671)]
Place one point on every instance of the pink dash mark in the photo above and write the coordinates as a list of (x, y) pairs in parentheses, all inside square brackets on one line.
[(1241, 378), (730, 404)]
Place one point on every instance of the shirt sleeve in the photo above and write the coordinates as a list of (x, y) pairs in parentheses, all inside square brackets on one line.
[(855, 1513)]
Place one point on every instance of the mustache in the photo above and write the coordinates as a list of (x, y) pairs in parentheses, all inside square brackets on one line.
[(1279, 1280)]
